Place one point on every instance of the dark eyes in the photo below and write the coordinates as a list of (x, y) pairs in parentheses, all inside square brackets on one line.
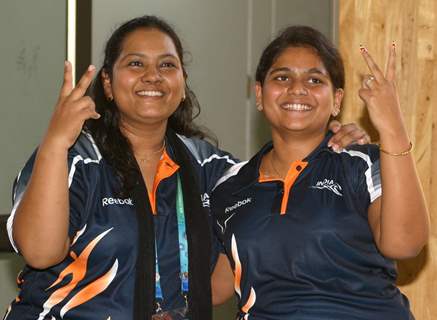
[(310, 80), (168, 65), (281, 78), (137, 63), (315, 80)]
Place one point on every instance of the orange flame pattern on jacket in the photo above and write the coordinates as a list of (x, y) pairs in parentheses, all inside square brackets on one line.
[(238, 270), (77, 269), (91, 290)]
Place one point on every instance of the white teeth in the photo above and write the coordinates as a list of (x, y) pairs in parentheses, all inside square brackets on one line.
[(150, 93), (296, 107)]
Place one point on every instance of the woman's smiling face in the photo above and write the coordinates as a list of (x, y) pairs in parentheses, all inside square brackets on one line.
[(297, 94), (147, 78)]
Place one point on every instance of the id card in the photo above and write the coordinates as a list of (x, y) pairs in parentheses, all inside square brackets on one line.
[(175, 314)]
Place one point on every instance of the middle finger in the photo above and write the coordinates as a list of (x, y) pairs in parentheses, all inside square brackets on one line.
[(83, 84)]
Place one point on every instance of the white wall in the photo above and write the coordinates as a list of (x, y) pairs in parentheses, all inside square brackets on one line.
[(31, 64)]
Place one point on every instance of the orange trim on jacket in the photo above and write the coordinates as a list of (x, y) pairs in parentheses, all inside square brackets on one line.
[(166, 168), (293, 172)]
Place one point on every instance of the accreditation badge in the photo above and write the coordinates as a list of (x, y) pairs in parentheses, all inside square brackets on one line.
[(175, 314)]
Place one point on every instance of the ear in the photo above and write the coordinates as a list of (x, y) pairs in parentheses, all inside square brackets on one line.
[(259, 96), (107, 86), (338, 98)]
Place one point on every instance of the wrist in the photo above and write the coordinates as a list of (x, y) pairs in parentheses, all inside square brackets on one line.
[(53, 147), (399, 144), (404, 152)]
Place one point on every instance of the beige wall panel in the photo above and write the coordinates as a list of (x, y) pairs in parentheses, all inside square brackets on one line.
[(411, 24)]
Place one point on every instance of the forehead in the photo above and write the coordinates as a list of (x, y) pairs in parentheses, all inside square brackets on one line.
[(148, 42), (298, 58)]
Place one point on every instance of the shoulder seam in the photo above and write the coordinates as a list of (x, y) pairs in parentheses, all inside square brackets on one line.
[(232, 171), (195, 152)]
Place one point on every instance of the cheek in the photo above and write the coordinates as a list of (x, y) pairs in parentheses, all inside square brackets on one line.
[(122, 80), (325, 98), (271, 92), (178, 83)]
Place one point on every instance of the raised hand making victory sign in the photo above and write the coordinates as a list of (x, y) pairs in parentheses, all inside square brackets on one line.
[(72, 109), (47, 197), (399, 220)]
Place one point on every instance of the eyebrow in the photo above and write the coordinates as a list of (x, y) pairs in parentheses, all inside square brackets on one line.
[(137, 54), (286, 69)]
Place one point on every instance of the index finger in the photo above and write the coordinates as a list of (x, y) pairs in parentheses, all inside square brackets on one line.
[(67, 84), (373, 67), (390, 73), (83, 84)]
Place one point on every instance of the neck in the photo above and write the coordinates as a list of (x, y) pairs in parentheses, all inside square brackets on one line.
[(144, 139), (288, 148)]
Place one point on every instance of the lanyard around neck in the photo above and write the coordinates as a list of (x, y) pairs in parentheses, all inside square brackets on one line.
[(183, 249)]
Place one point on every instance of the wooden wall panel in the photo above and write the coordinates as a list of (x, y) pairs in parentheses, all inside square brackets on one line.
[(411, 24)]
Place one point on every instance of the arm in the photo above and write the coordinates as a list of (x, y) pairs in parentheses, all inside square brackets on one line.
[(399, 218), (222, 281), (41, 221)]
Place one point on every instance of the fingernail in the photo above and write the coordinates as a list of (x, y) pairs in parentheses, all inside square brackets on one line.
[(329, 144), (363, 48), (335, 147), (91, 67)]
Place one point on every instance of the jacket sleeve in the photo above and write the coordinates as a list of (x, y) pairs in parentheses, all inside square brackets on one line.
[(362, 169), (79, 186)]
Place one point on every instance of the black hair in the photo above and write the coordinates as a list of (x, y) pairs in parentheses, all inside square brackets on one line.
[(114, 146), (303, 36)]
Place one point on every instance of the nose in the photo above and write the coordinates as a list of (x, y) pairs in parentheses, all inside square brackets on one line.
[(151, 74), (297, 88)]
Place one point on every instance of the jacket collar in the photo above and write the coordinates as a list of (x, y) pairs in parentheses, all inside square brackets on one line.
[(249, 174)]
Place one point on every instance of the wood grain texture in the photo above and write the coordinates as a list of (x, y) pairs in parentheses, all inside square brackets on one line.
[(411, 24)]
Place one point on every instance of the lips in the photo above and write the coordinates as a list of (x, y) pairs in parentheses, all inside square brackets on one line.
[(300, 107), (150, 93)]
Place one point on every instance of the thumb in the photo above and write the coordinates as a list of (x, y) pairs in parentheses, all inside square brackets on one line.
[(95, 115), (334, 126)]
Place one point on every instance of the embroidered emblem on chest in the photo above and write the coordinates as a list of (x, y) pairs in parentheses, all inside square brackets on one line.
[(330, 185)]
